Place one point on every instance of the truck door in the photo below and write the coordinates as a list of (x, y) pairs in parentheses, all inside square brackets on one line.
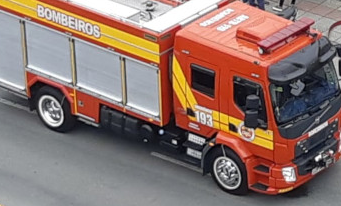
[(12, 73), (202, 96), (260, 140)]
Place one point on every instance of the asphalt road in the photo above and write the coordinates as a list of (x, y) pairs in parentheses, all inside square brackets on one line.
[(90, 166)]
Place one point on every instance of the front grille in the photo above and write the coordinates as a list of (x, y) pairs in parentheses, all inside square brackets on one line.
[(316, 141), (306, 162)]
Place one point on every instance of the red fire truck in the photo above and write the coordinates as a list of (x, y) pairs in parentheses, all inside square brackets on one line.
[(248, 96)]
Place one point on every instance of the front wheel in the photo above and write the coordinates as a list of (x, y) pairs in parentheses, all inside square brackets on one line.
[(228, 171), (54, 110)]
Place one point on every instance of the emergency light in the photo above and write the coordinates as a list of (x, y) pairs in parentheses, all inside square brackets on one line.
[(285, 35)]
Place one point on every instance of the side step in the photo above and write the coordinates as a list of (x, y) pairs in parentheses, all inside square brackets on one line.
[(193, 145), (262, 170), (262, 173), (260, 187)]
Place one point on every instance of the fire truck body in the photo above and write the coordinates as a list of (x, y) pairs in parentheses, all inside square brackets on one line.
[(250, 97), (122, 59)]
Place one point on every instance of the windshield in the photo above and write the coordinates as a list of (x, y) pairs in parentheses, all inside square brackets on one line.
[(304, 96)]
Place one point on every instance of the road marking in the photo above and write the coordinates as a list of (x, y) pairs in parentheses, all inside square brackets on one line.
[(16, 105), (175, 161)]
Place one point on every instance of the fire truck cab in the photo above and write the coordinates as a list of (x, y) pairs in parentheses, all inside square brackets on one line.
[(265, 90)]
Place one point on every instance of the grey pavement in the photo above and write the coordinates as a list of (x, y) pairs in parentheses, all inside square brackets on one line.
[(91, 166), (324, 12)]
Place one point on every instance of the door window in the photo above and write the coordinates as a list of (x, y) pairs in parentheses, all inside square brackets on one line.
[(242, 88), (203, 79)]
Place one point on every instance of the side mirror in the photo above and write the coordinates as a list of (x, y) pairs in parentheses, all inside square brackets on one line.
[(251, 113), (251, 119)]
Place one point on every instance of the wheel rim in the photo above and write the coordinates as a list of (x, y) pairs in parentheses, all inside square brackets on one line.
[(227, 173), (51, 111)]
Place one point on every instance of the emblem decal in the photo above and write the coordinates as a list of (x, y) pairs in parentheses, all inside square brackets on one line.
[(248, 134)]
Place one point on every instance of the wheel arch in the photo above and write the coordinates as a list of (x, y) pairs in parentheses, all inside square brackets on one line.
[(36, 83), (233, 143)]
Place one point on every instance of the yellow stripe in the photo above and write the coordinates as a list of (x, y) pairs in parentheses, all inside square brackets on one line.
[(179, 75), (263, 143), (179, 83), (215, 116), (216, 122), (234, 121), (224, 119), (224, 128), (110, 36), (266, 134), (190, 98), (264, 140), (216, 125), (193, 119), (179, 93), (177, 72)]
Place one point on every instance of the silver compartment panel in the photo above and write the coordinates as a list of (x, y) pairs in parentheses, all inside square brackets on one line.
[(12, 71), (98, 70), (48, 52), (142, 87)]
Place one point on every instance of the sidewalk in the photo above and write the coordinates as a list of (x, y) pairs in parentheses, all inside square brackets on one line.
[(324, 12)]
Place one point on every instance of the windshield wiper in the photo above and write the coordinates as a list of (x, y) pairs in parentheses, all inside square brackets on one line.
[(326, 103), (318, 118)]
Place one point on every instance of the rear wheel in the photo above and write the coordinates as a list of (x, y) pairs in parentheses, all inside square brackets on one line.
[(228, 171), (54, 110)]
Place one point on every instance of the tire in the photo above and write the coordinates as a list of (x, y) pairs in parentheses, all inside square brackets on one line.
[(225, 167), (54, 110)]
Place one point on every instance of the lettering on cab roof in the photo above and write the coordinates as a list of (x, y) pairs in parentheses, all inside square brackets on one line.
[(216, 18)]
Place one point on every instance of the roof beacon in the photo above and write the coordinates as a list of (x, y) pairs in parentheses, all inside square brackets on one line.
[(285, 35)]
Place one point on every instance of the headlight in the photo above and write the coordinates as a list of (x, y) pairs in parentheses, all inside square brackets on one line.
[(289, 174)]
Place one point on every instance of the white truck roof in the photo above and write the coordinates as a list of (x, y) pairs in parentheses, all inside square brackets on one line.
[(154, 15)]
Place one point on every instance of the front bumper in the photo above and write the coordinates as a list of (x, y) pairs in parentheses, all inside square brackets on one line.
[(304, 173), (306, 168)]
